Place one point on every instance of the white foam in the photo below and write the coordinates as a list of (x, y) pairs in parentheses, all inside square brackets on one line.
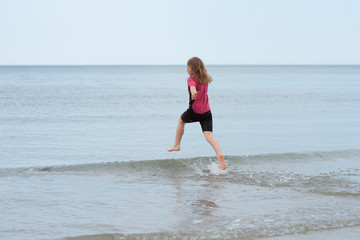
[(203, 169), (215, 170), (199, 171)]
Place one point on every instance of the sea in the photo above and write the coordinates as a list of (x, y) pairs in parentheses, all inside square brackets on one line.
[(83, 154)]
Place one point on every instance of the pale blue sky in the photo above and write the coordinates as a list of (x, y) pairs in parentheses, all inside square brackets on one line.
[(169, 32)]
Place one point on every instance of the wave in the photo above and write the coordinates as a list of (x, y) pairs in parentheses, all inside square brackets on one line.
[(330, 173), (197, 165), (152, 167), (282, 230)]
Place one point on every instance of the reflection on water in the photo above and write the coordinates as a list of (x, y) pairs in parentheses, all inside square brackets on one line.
[(199, 200)]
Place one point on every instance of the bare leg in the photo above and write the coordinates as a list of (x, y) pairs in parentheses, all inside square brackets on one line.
[(179, 134), (215, 144)]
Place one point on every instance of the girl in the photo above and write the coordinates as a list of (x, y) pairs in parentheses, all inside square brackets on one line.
[(199, 109)]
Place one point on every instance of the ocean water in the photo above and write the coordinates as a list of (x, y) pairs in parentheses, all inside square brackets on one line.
[(83, 154)]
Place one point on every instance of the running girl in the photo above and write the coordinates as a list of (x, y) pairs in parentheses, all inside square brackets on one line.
[(199, 109)]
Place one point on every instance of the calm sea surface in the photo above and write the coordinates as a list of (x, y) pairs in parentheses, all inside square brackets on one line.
[(83, 153)]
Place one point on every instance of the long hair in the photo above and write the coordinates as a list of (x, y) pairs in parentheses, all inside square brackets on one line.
[(198, 70)]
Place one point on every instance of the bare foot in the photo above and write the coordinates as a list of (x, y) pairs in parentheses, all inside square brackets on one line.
[(174, 148), (222, 164)]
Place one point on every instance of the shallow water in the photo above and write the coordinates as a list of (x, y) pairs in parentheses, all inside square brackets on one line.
[(258, 196), (83, 154)]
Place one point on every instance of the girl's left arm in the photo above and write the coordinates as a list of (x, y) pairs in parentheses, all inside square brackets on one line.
[(193, 92)]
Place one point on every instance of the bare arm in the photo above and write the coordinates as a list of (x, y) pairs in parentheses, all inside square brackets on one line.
[(193, 92)]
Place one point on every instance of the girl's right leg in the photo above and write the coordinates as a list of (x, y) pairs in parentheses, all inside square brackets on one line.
[(178, 136)]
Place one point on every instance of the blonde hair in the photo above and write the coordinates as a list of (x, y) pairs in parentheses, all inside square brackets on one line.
[(198, 70)]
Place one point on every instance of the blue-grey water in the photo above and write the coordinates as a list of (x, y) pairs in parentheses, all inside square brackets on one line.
[(83, 153)]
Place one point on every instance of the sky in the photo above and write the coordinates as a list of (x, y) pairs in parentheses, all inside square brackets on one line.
[(167, 32)]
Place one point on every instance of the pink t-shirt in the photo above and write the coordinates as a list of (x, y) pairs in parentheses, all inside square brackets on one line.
[(201, 104)]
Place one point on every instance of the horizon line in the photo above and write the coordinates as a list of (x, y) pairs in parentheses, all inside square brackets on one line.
[(165, 65)]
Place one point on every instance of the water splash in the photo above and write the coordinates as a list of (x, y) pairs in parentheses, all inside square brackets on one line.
[(215, 170)]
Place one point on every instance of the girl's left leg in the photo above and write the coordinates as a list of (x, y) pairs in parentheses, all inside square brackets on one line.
[(215, 144)]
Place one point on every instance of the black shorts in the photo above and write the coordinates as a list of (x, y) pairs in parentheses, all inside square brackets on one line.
[(205, 119)]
